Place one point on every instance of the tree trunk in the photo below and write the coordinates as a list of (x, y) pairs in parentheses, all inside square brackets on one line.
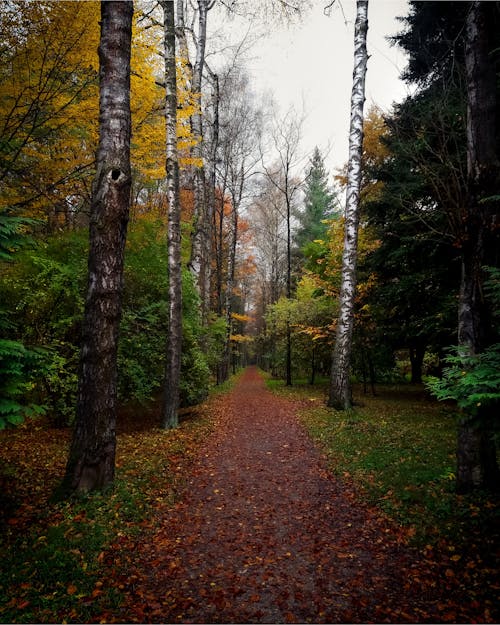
[(476, 455), (288, 290), (199, 263), (340, 396), (313, 366), (170, 417), (417, 353), (91, 460)]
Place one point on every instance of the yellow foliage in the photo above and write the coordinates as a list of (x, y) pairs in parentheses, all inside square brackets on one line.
[(241, 338), (49, 104), (238, 317)]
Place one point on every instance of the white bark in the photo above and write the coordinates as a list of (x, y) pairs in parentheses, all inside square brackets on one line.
[(199, 264), (340, 390), (174, 339)]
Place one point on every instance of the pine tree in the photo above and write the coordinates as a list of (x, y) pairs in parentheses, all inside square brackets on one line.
[(318, 204)]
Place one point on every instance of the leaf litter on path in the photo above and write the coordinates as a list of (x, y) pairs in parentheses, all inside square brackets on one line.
[(265, 534)]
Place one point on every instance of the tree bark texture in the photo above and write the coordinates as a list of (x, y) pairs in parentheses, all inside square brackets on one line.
[(170, 417), (202, 221), (340, 395), (92, 455), (288, 366), (476, 461)]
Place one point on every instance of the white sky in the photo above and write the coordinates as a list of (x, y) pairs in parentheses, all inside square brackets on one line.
[(312, 62)]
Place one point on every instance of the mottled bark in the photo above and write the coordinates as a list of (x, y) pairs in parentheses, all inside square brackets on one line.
[(202, 221), (231, 265), (288, 367), (92, 455), (170, 417), (340, 395), (476, 461)]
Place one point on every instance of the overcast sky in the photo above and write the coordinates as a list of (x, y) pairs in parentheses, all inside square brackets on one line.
[(312, 62)]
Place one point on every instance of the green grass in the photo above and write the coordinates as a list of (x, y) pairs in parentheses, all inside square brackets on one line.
[(398, 449)]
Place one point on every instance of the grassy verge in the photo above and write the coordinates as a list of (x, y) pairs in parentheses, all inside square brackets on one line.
[(56, 556), (399, 450)]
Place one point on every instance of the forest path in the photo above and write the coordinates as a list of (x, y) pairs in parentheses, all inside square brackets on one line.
[(265, 534)]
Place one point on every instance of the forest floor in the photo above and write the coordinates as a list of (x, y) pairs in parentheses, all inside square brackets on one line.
[(255, 529), (265, 534)]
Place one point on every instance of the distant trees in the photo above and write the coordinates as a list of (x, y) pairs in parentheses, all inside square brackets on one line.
[(282, 175)]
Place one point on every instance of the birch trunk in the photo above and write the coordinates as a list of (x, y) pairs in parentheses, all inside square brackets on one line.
[(198, 263), (91, 460), (288, 363), (231, 265), (170, 417), (476, 456), (340, 395)]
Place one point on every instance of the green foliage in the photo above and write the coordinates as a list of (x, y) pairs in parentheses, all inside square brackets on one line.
[(43, 287), (310, 316), (43, 292), (319, 203), (195, 372), (12, 235), (18, 366), (473, 381)]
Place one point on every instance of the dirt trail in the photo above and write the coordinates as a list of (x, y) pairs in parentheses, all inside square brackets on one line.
[(264, 534)]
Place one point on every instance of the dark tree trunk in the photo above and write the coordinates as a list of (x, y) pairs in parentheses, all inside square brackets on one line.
[(313, 366), (170, 417), (417, 353), (91, 460), (476, 461)]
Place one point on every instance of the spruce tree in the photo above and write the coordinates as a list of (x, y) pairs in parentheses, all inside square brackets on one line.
[(318, 204)]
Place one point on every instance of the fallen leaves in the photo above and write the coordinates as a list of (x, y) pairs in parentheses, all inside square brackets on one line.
[(247, 526)]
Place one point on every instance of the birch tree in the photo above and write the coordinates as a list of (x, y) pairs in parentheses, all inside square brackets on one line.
[(91, 460), (236, 160), (199, 262), (170, 417), (286, 136), (340, 395)]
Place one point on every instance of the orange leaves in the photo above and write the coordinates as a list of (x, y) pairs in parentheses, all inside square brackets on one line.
[(71, 589)]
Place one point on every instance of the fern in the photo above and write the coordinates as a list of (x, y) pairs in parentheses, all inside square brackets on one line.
[(12, 233), (17, 365)]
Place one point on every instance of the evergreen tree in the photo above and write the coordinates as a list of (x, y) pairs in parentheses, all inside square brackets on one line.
[(318, 204)]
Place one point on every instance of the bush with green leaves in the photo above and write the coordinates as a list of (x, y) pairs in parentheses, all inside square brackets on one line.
[(43, 290), (473, 381), (18, 364)]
